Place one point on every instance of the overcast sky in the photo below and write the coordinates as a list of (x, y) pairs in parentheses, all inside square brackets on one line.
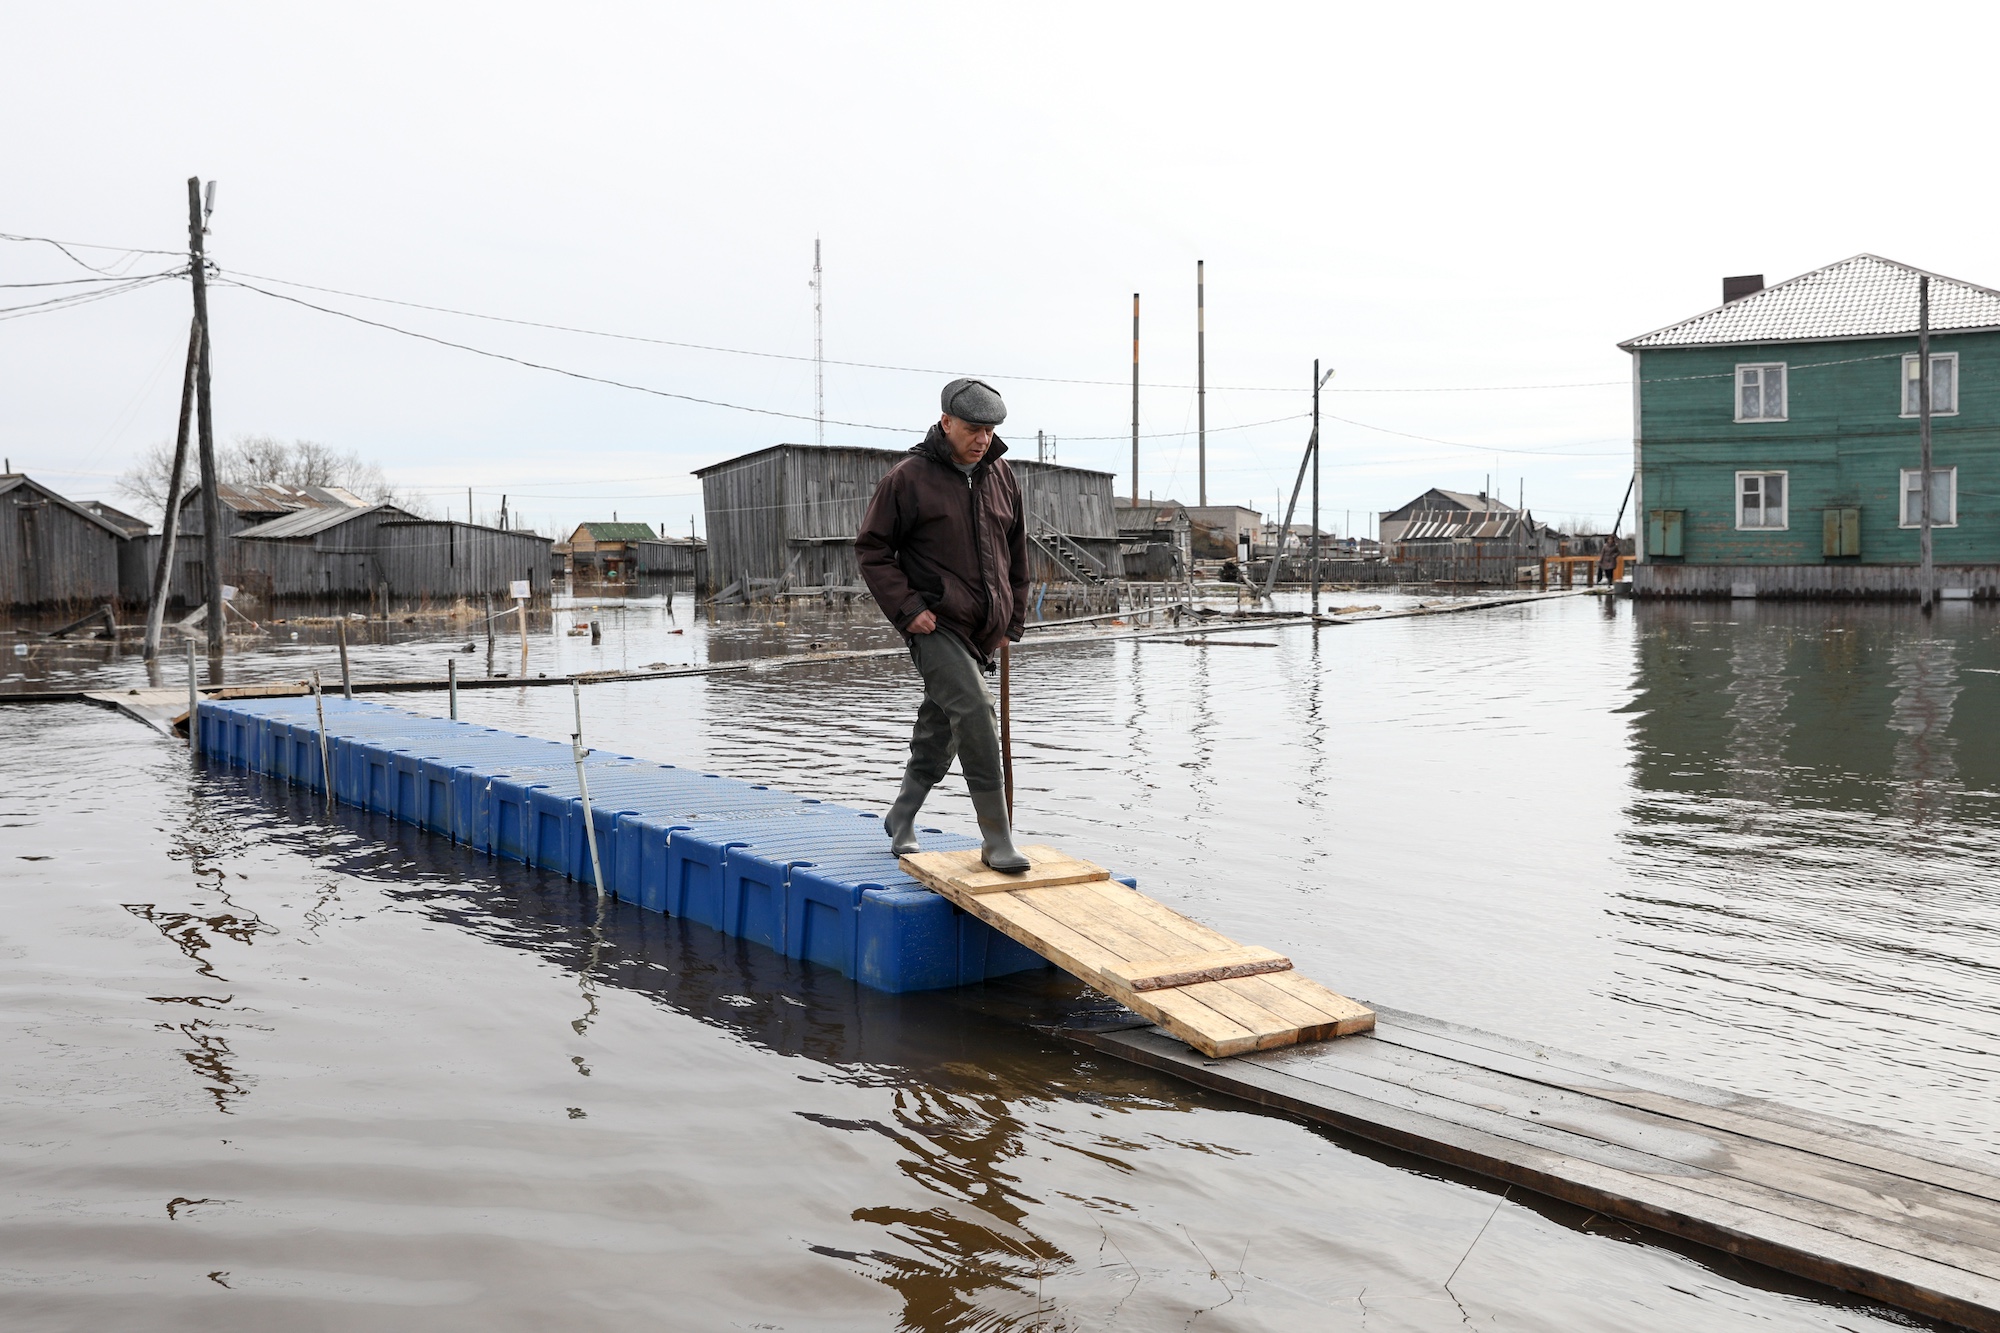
[(1455, 207)]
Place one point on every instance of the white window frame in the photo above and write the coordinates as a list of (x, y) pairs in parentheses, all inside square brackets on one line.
[(1784, 389), (1909, 379), (1784, 523), (1904, 490)]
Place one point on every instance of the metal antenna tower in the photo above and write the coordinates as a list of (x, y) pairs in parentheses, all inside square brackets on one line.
[(819, 352)]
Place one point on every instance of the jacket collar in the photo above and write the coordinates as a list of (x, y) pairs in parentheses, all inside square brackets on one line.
[(939, 448)]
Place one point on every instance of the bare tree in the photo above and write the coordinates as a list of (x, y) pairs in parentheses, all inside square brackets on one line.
[(265, 460)]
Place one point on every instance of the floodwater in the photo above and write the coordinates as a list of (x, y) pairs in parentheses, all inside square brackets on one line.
[(270, 1068)]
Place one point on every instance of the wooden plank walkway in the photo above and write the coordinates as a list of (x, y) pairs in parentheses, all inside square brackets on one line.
[(1219, 997), (1906, 1222)]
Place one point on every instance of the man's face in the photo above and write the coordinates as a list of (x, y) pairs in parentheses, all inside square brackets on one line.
[(969, 443)]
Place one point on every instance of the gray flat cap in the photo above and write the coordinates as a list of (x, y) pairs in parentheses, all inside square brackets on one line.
[(975, 401)]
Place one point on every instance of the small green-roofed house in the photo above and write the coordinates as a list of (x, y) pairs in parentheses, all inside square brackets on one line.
[(1776, 442), (608, 551)]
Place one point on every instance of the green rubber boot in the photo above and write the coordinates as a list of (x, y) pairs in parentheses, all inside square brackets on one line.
[(996, 837)]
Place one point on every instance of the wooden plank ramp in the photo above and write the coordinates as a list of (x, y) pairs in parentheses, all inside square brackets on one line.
[(1218, 996), (162, 710), (1888, 1216)]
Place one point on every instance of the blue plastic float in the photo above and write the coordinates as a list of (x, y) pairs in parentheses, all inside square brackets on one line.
[(810, 879)]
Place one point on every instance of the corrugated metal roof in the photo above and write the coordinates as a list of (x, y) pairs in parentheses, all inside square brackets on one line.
[(306, 522), (1437, 525), (1863, 297), (271, 498)]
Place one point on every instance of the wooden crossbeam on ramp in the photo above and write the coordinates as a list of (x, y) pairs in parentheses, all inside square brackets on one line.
[(1220, 997)]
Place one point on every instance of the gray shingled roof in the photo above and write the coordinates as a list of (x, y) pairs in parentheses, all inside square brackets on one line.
[(1863, 297)]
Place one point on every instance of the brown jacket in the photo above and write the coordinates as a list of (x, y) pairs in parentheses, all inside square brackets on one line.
[(937, 540)]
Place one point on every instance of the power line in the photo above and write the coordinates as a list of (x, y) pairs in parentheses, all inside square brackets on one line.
[(81, 298), (641, 388), (877, 365), (66, 282), (128, 253)]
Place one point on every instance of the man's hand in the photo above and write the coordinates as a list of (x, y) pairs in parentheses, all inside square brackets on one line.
[(923, 623)]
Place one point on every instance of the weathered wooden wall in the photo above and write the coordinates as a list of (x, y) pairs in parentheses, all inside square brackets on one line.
[(136, 558), (667, 559), (742, 507), (448, 559), (791, 512), (438, 559), (51, 555)]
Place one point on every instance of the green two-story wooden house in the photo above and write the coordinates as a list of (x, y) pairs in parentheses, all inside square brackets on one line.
[(1776, 445)]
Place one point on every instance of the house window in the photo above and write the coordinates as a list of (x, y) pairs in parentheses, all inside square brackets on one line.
[(1944, 497), (1760, 500), (1944, 385), (1760, 392)]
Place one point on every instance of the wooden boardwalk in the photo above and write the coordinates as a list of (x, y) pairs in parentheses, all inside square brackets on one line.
[(1218, 996), (1908, 1223)]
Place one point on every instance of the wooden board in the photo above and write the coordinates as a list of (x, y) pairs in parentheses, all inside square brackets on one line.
[(1910, 1223), (1245, 960), (1219, 997), (968, 874), (162, 710)]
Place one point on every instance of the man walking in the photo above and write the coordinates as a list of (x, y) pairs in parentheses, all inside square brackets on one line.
[(945, 553)]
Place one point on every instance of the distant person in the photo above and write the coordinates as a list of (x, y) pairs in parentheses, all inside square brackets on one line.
[(1607, 560), (945, 553)]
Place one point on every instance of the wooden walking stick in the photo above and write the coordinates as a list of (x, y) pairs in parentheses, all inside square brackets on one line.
[(1006, 731)]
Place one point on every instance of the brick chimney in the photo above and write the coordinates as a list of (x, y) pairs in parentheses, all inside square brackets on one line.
[(1735, 289)]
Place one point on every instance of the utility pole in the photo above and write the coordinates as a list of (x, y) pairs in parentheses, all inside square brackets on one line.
[(1041, 447), (1927, 575), (819, 353), (211, 497), (1135, 400), (170, 522), (1317, 381), (468, 505), (1201, 379)]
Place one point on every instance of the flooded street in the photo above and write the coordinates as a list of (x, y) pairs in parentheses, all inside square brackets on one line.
[(274, 1067)]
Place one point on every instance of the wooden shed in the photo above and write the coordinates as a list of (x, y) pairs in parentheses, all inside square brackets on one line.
[(339, 553), (444, 558), (137, 552), (785, 517), (53, 551)]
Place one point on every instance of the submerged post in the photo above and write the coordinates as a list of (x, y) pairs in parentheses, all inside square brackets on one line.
[(170, 521), (1135, 401), (1201, 382), (325, 750), (451, 682), (211, 500), (346, 681), (583, 791), (1317, 382), (1927, 574), (194, 736)]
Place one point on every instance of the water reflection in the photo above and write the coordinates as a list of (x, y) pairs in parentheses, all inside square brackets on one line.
[(1925, 677), (1811, 850)]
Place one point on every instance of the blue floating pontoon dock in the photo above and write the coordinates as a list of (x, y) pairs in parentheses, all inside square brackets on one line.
[(809, 879)]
